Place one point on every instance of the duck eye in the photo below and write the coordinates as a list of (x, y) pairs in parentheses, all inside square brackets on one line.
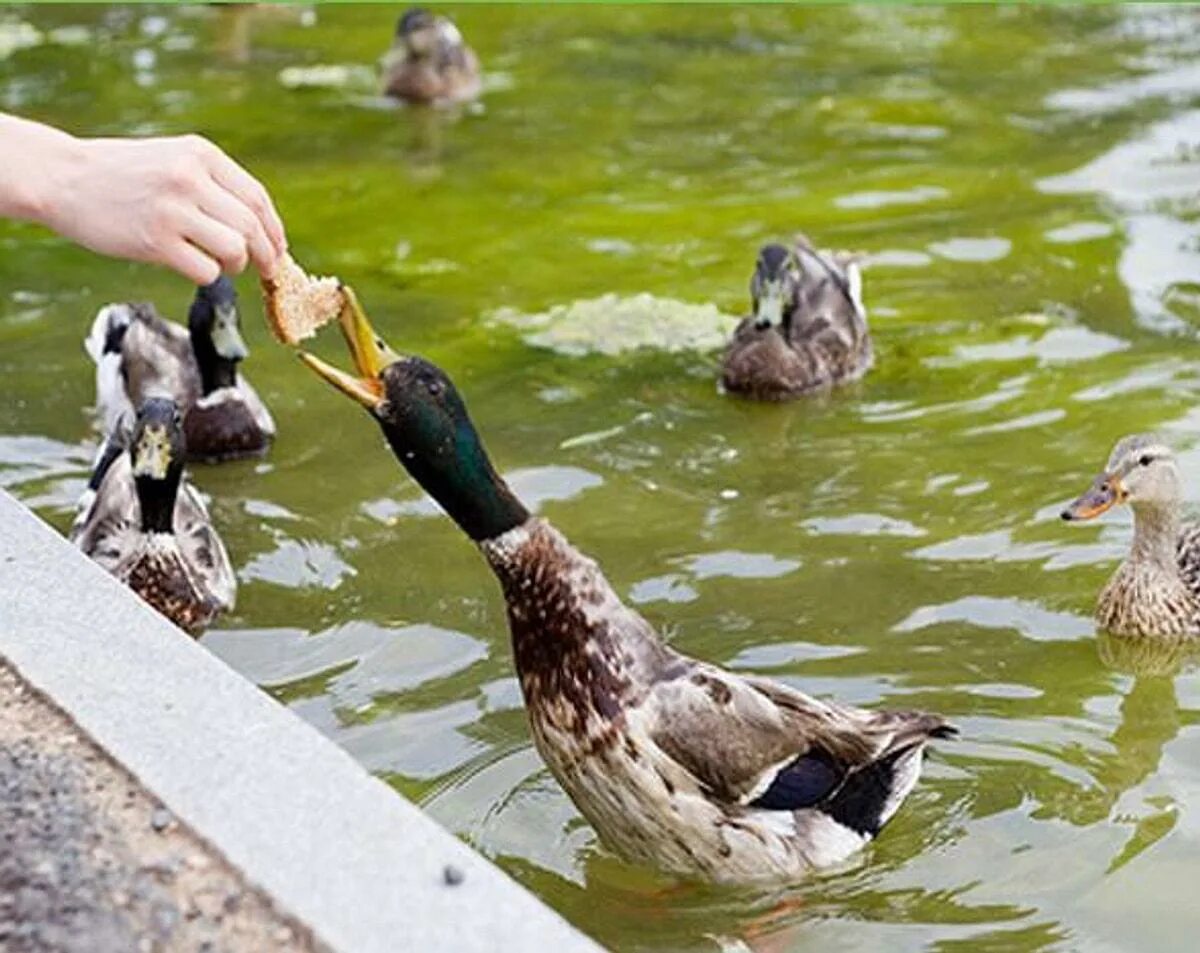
[(1145, 460)]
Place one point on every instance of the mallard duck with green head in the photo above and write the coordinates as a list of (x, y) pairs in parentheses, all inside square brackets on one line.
[(1156, 590), (808, 328), (145, 523), (429, 61), (139, 355), (676, 763)]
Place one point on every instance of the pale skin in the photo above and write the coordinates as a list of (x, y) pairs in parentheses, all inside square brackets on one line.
[(174, 201)]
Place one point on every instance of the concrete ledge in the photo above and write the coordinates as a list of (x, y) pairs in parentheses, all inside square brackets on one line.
[(350, 858)]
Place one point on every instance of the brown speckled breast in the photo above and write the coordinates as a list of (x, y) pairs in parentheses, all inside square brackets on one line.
[(164, 584)]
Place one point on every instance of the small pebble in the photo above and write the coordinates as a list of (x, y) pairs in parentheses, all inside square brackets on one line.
[(160, 820), (452, 875)]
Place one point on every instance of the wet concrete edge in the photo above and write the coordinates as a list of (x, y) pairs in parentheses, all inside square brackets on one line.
[(361, 866)]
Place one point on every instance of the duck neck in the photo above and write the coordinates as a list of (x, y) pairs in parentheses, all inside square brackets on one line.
[(156, 499), (462, 480), (216, 372), (1155, 535), (573, 637)]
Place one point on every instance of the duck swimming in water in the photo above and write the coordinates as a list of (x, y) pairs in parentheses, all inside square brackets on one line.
[(429, 61), (676, 763), (141, 520), (139, 355), (1156, 590), (808, 328)]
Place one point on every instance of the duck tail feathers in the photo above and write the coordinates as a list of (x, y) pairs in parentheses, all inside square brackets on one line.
[(108, 331), (869, 797)]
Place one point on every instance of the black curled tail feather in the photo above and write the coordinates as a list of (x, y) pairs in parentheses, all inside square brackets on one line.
[(107, 335), (863, 798), (104, 460), (114, 445), (114, 336)]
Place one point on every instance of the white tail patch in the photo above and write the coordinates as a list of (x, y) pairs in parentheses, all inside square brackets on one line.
[(854, 280), (112, 402), (823, 840), (906, 771)]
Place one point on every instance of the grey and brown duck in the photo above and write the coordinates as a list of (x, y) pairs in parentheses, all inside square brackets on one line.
[(1156, 590), (676, 763), (429, 62), (145, 523), (807, 331), (139, 355)]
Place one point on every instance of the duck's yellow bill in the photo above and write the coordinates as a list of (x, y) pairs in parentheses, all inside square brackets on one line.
[(370, 354), (1105, 493)]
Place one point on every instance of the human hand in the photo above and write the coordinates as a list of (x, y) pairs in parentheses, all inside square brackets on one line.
[(179, 202)]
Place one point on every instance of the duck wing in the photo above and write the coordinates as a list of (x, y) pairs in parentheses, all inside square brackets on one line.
[(828, 324), (107, 525), (1187, 555), (258, 410), (204, 555), (157, 359), (756, 744)]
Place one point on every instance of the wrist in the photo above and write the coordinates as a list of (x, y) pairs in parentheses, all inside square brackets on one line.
[(42, 162), (53, 183)]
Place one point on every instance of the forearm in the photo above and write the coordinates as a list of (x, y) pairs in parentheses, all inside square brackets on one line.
[(35, 164), (177, 201)]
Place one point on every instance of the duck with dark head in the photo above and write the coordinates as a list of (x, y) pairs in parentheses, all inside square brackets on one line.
[(138, 354), (677, 763), (807, 331), (143, 521), (429, 61)]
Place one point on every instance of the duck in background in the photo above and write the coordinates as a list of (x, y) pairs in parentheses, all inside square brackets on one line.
[(676, 763), (139, 355), (1156, 590), (808, 329), (429, 62), (145, 523)]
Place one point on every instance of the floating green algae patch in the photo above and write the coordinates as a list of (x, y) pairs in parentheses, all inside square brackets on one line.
[(1022, 183), (612, 324)]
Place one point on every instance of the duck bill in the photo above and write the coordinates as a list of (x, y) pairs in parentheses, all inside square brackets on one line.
[(370, 354), (226, 337), (770, 307), (1105, 493)]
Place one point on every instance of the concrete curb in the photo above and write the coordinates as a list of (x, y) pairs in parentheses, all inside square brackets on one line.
[(342, 852)]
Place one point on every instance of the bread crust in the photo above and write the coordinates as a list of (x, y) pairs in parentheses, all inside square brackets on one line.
[(298, 305)]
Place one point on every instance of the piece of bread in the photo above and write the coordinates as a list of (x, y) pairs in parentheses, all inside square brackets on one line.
[(297, 305)]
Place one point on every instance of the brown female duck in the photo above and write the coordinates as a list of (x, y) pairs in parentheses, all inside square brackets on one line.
[(429, 61), (808, 330), (139, 355), (676, 763), (1156, 590), (141, 520)]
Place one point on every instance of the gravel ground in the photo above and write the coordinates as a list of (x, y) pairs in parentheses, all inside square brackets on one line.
[(89, 861)]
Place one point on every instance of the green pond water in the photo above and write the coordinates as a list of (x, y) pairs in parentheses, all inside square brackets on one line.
[(1026, 186)]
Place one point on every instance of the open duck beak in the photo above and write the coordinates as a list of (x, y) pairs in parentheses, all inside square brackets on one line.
[(368, 351), (1104, 493)]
